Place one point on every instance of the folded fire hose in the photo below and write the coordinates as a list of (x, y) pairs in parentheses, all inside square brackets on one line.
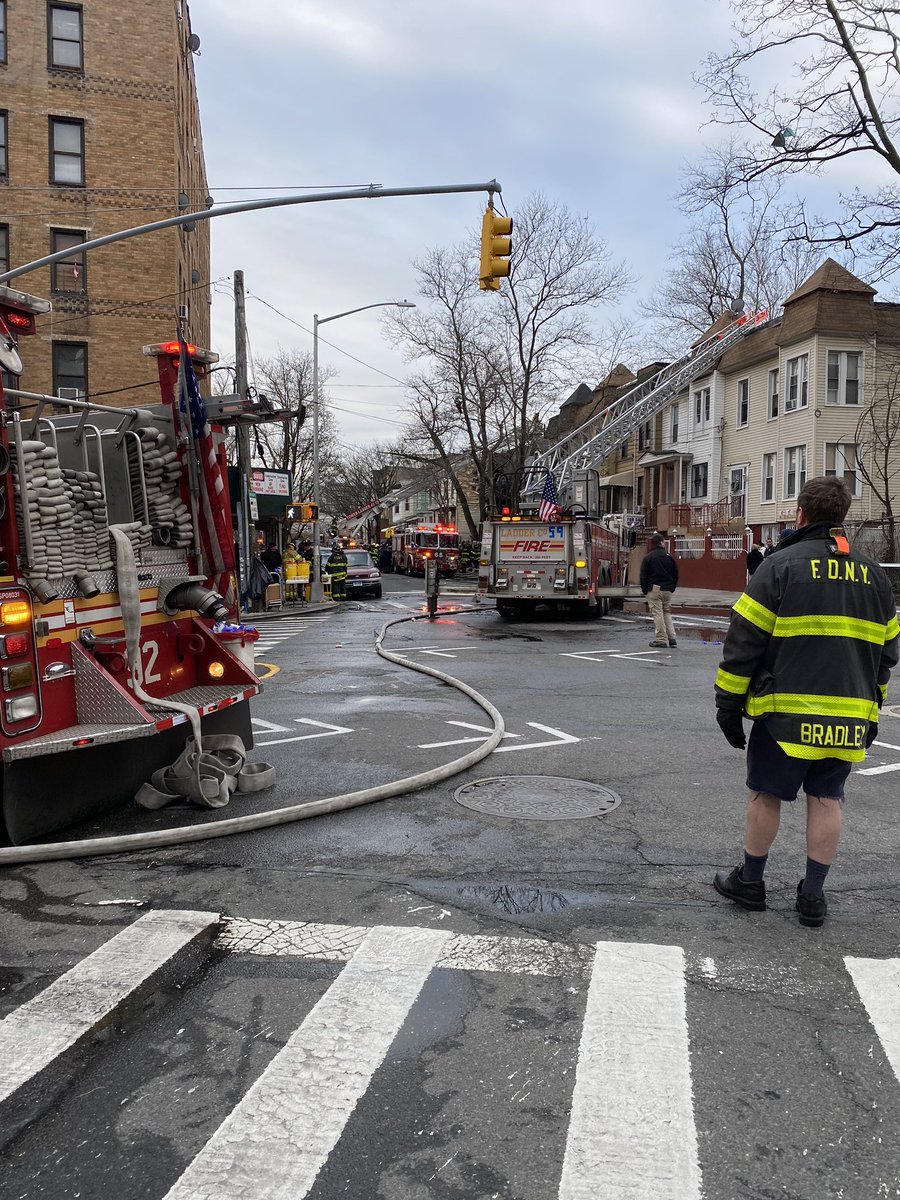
[(209, 768)]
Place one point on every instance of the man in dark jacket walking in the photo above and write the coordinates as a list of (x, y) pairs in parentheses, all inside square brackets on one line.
[(659, 579), (808, 655)]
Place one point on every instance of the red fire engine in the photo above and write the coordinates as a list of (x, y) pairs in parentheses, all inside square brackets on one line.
[(412, 546), (107, 593)]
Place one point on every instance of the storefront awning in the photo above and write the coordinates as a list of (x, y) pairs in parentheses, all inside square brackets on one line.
[(657, 460), (621, 479)]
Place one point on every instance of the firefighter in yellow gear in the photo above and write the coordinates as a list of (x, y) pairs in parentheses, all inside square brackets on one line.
[(807, 658), (336, 568)]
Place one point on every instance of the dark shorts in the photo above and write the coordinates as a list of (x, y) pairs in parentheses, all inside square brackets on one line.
[(770, 770)]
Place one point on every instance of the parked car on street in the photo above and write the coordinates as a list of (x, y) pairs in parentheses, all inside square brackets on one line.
[(363, 577)]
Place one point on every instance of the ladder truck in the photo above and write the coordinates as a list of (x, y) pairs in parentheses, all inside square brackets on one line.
[(108, 600), (575, 559)]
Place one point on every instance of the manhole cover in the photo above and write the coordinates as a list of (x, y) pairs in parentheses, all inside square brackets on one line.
[(537, 798)]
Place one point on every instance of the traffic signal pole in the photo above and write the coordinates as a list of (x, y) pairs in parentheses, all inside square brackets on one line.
[(373, 192)]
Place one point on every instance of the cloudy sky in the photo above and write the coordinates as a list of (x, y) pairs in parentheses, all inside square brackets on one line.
[(589, 101)]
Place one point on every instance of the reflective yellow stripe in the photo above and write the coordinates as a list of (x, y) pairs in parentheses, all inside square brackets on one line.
[(891, 630), (883, 687), (821, 626), (757, 614), (811, 705), (732, 683), (812, 753)]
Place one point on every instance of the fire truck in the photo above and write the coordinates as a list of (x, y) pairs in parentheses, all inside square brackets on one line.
[(562, 563), (107, 596), (412, 545)]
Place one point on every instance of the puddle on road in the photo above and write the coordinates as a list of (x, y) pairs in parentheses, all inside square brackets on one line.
[(513, 899)]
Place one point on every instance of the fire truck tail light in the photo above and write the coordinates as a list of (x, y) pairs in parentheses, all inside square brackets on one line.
[(78, 742), (216, 670), (15, 612), (19, 320), (580, 562), (13, 645), (17, 677), (21, 708)]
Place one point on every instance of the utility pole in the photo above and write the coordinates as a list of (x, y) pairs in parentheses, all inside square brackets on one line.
[(242, 432)]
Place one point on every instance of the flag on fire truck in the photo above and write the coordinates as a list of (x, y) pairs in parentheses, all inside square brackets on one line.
[(216, 543), (549, 506)]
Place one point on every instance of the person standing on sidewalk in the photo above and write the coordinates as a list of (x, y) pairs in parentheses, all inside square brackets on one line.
[(659, 579), (336, 567), (807, 657)]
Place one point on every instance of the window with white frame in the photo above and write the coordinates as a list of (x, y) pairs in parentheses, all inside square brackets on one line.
[(4, 132), (773, 393), (797, 392), (844, 370), (743, 402), (794, 471), (702, 406), (674, 422), (699, 480), (767, 490), (2, 30), (841, 460)]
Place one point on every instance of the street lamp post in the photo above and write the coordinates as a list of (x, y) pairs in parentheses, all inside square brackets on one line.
[(316, 594)]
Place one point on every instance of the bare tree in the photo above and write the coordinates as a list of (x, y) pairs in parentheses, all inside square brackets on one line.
[(878, 452), (287, 381), (842, 100), (489, 366), (361, 476), (735, 257)]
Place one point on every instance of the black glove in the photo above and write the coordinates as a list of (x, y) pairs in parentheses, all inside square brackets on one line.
[(872, 733), (731, 722)]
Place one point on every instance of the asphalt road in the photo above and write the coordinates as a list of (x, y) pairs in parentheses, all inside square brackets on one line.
[(553, 1008)]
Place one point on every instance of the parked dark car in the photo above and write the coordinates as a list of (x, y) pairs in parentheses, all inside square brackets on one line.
[(363, 577)]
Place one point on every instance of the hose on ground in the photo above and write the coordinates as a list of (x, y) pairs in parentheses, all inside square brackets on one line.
[(157, 839)]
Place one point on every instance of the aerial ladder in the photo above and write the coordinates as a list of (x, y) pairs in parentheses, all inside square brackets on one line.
[(587, 446)]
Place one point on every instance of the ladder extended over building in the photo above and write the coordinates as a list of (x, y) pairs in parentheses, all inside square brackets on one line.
[(586, 447)]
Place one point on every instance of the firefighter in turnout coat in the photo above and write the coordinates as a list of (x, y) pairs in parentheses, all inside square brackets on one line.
[(336, 567), (807, 658)]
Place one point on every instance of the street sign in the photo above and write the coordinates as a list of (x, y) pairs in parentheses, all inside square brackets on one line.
[(271, 483)]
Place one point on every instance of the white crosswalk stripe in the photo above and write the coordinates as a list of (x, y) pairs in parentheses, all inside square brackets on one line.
[(274, 633), (631, 1130)]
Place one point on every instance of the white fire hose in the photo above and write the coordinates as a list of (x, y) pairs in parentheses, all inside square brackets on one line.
[(209, 768), (124, 843)]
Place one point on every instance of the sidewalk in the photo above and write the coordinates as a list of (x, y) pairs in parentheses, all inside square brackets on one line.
[(685, 599)]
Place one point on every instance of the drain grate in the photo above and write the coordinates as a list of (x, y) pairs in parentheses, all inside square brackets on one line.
[(537, 798)]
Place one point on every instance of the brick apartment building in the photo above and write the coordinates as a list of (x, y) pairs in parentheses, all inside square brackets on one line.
[(100, 131)]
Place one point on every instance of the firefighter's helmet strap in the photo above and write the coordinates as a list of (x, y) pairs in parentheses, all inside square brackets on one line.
[(840, 545)]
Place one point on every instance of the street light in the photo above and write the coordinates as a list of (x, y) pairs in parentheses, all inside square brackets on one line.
[(316, 594)]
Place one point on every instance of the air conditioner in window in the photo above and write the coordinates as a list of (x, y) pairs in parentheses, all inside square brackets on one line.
[(70, 393), (183, 312)]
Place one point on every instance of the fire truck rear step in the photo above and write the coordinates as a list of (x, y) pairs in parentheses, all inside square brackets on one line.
[(207, 700)]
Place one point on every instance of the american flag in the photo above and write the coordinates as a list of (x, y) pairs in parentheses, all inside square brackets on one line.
[(216, 542), (549, 509)]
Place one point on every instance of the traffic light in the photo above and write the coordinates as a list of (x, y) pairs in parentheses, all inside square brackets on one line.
[(496, 247), (304, 512)]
